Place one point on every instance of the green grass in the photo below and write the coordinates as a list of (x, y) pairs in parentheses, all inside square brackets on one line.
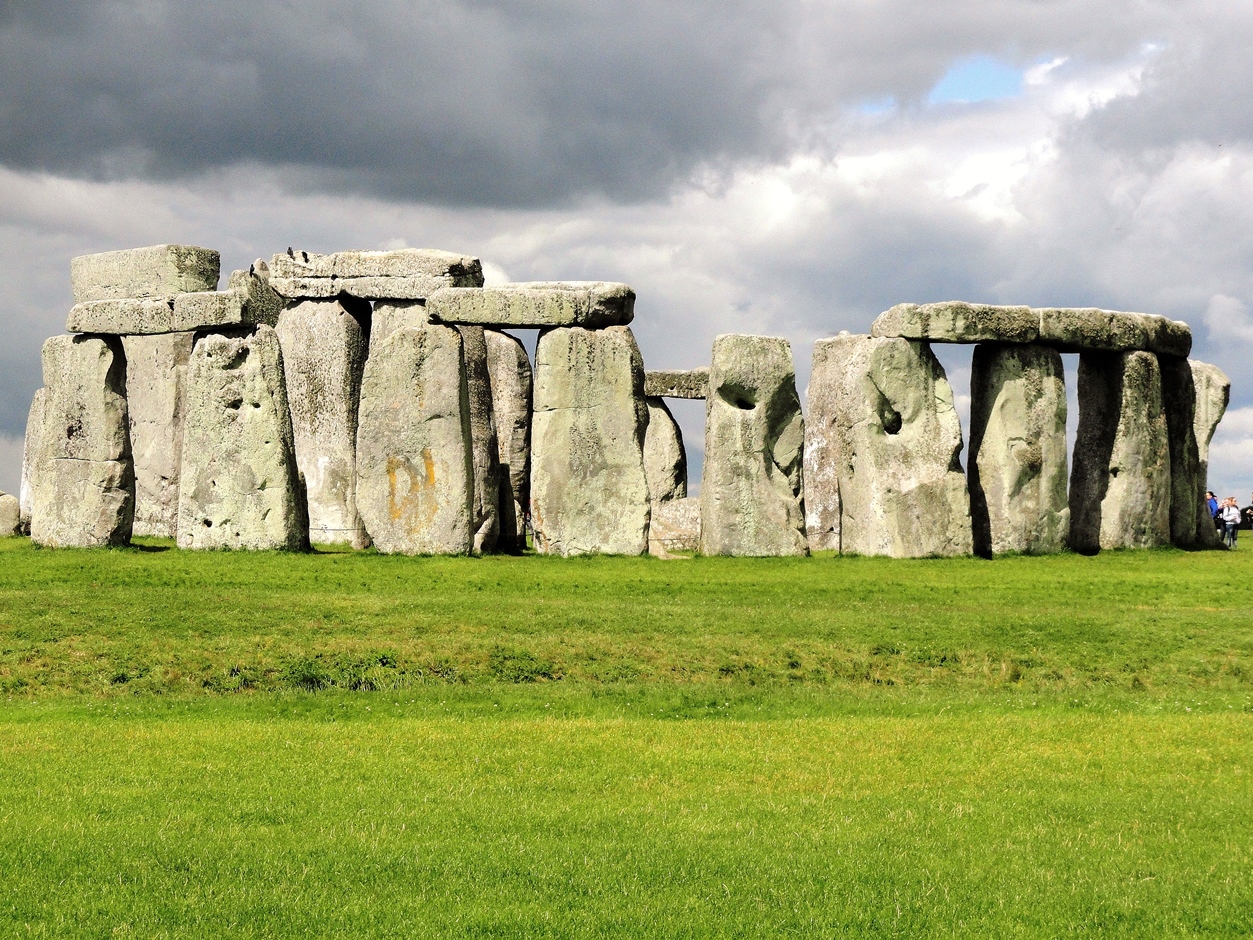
[(338, 745)]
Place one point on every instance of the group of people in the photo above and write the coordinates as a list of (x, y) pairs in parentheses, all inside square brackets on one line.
[(1228, 517)]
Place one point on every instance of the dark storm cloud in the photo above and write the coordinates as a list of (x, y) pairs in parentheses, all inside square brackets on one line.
[(495, 103)]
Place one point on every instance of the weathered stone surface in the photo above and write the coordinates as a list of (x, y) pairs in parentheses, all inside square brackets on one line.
[(588, 488), (161, 271), (248, 300), (1120, 479), (156, 380), (324, 351), (511, 407), (665, 459), (751, 495), (239, 485), (1018, 450), (589, 304), (1187, 489), (83, 481), (1088, 329), (30, 452), (392, 315), (404, 274), (1213, 394), (10, 515), (677, 383), (415, 471), (883, 450), (955, 321), (486, 455), (674, 527)]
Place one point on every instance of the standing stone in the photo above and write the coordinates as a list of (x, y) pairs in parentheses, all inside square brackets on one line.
[(1018, 450), (665, 460), (156, 379), (589, 492), (390, 315), (884, 450), (83, 481), (239, 484), (10, 516), (1187, 489), (1213, 393), (415, 471), (324, 349), (30, 451), (751, 496), (483, 436), (511, 407), (1120, 481)]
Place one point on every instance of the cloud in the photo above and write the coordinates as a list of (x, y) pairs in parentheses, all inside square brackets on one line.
[(1228, 320)]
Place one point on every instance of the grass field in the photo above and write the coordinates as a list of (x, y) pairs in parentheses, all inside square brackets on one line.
[(255, 745)]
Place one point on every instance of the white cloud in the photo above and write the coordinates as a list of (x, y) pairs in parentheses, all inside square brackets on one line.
[(1228, 320)]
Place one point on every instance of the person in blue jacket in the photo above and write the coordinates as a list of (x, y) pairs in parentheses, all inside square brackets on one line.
[(1211, 502)]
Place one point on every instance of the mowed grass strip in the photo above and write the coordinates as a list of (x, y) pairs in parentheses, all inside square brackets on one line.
[(221, 819), (150, 619)]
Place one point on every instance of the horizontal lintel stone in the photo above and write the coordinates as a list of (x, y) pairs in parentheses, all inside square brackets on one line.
[(588, 304), (677, 383), (464, 270), (417, 287), (955, 321), (156, 272)]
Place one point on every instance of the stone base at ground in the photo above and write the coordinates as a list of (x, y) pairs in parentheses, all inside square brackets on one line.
[(10, 515), (674, 527)]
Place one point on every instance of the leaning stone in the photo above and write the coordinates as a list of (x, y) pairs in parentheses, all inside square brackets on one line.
[(415, 470), (1018, 450), (83, 482), (239, 486), (396, 263), (30, 452), (1213, 394), (10, 515), (674, 527), (751, 496), (676, 383), (324, 351), (483, 438), (511, 408), (162, 271), (589, 492), (883, 451), (590, 304), (156, 380), (955, 321), (665, 460), (1120, 481)]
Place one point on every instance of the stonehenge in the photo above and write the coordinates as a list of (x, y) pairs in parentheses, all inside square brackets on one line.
[(373, 398)]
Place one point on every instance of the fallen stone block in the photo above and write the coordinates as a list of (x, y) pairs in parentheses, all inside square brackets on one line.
[(156, 381), (239, 485), (415, 470), (665, 459), (10, 515), (674, 527), (589, 492), (30, 452), (403, 274), (1120, 480), (1213, 394), (512, 382), (324, 351), (751, 497), (1017, 471), (83, 480), (590, 304), (883, 451), (677, 383), (486, 454), (955, 321), (161, 271)]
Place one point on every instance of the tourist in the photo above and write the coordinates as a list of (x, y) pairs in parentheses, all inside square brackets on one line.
[(1211, 502), (1231, 520)]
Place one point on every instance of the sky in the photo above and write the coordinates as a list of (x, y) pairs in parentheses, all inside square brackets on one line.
[(789, 168)]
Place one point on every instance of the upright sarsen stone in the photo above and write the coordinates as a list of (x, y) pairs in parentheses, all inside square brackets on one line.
[(512, 383), (1018, 450), (30, 452), (1187, 489), (156, 378), (239, 484), (483, 437), (665, 459), (10, 516), (1120, 480), (589, 492), (415, 471), (884, 449), (324, 350), (751, 498), (83, 481), (1213, 393)]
